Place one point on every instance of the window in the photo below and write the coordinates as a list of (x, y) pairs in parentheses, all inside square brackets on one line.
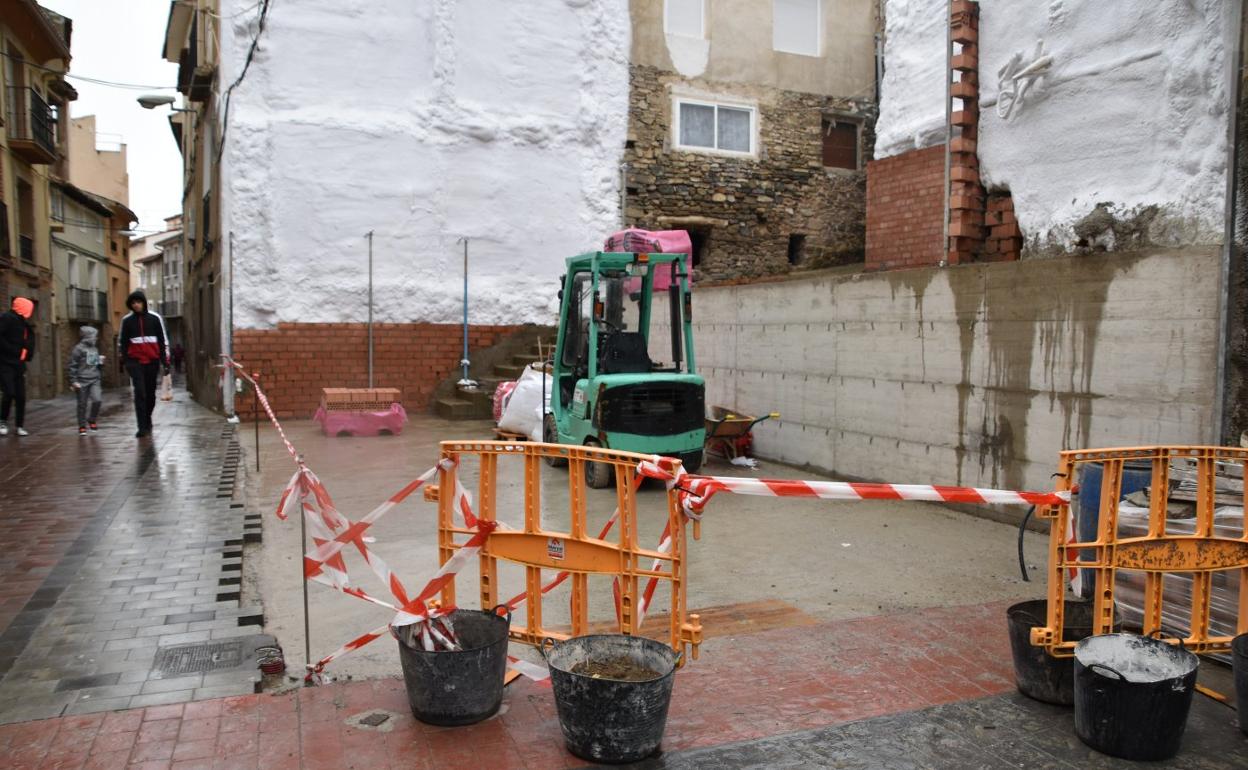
[(580, 312), (74, 277), (685, 18), (58, 205), (702, 125), (840, 143), (93, 275), (795, 26)]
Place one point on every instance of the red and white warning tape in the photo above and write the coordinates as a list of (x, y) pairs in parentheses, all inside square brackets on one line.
[(332, 531)]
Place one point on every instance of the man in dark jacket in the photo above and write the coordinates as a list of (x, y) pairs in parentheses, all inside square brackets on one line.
[(144, 351), (17, 345)]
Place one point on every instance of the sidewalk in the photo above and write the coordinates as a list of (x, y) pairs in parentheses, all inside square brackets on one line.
[(926, 690), (115, 547), (840, 654)]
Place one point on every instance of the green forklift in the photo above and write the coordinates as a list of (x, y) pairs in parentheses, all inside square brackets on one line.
[(608, 392)]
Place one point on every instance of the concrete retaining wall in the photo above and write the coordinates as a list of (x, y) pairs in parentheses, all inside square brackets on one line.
[(974, 375)]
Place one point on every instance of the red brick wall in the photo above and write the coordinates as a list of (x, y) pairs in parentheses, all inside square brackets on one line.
[(297, 360), (905, 209)]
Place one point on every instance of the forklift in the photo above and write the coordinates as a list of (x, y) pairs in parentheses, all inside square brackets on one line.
[(608, 392)]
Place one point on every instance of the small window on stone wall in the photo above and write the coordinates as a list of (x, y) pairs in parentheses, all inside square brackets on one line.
[(840, 144), (707, 126), (797, 248)]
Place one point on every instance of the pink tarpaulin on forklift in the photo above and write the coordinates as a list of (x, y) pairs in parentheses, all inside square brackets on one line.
[(637, 241)]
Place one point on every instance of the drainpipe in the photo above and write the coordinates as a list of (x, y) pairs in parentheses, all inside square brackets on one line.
[(227, 395), (944, 246), (1233, 62)]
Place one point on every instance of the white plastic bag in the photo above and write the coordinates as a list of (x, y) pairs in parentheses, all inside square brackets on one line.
[(166, 388), (523, 412)]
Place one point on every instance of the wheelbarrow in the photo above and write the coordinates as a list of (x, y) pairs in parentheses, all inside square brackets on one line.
[(728, 433)]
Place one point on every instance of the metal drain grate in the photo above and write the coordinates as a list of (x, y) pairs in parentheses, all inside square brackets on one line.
[(199, 658)]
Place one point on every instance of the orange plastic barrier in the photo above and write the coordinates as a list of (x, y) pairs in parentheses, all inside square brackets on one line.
[(1201, 553), (576, 552)]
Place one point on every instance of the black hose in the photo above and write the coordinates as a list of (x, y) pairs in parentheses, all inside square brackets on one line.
[(1022, 562)]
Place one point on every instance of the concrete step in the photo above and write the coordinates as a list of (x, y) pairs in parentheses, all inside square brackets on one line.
[(508, 371), (454, 409), (525, 360)]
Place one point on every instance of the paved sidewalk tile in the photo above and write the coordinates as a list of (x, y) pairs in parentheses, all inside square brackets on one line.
[(114, 548), (903, 691)]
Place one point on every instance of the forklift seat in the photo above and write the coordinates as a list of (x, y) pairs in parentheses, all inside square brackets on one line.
[(624, 353)]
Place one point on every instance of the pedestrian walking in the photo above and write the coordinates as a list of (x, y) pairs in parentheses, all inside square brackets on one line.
[(17, 347), (179, 353), (85, 365), (144, 352)]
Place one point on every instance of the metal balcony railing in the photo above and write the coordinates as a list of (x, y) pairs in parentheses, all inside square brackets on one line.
[(171, 308), (30, 125), (87, 304)]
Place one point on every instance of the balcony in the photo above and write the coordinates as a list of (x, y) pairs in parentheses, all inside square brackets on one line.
[(171, 308), (87, 305), (194, 74), (26, 248), (30, 126)]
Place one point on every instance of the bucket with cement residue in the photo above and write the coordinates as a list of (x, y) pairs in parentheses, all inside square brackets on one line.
[(1239, 664), (1132, 695), (612, 692), (1038, 674), (457, 687)]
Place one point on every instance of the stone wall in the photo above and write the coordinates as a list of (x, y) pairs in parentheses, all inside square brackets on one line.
[(749, 206)]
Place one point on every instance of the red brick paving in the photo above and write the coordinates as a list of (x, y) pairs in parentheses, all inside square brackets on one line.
[(742, 688)]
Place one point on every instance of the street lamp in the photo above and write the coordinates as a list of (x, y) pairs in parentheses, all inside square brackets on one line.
[(152, 101)]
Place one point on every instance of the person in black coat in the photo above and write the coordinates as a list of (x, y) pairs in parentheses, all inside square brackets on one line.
[(144, 352), (17, 347)]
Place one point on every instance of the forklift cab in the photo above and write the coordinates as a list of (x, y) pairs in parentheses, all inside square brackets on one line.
[(608, 390)]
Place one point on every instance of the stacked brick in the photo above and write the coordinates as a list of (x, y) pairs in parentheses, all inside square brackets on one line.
[(359, 399), (966, 193), (297, 361), (1005, 241)]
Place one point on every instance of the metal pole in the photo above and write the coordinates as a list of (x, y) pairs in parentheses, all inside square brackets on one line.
[(255, 414), (1235, 27), (944, 246), (464, 361), (303, 546), (369, 235)]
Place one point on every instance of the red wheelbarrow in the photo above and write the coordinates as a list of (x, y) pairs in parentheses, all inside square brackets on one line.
[(728, 433)]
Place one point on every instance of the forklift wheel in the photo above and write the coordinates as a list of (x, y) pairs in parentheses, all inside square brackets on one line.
[(598, 475), (550, 437)]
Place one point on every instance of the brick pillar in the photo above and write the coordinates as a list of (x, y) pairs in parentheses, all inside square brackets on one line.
[(966, 194)]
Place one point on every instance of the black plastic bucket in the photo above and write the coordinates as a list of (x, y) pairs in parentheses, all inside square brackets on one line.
[(1239, 664), (460, 687), (1038, 674), (608, 719), (1132, 695)]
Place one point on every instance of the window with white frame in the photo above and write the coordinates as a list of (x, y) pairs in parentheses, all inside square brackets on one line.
[(795, 26), (74, 276), (712, 126), (685, 18)]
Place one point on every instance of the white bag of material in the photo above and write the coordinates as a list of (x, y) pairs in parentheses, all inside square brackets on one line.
[(524, 410)]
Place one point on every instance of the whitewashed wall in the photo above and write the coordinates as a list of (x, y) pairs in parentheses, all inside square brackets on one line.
[(1131, 112), (425, 122)]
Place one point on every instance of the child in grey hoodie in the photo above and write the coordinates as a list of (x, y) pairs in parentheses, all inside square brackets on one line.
[(85, 363)]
